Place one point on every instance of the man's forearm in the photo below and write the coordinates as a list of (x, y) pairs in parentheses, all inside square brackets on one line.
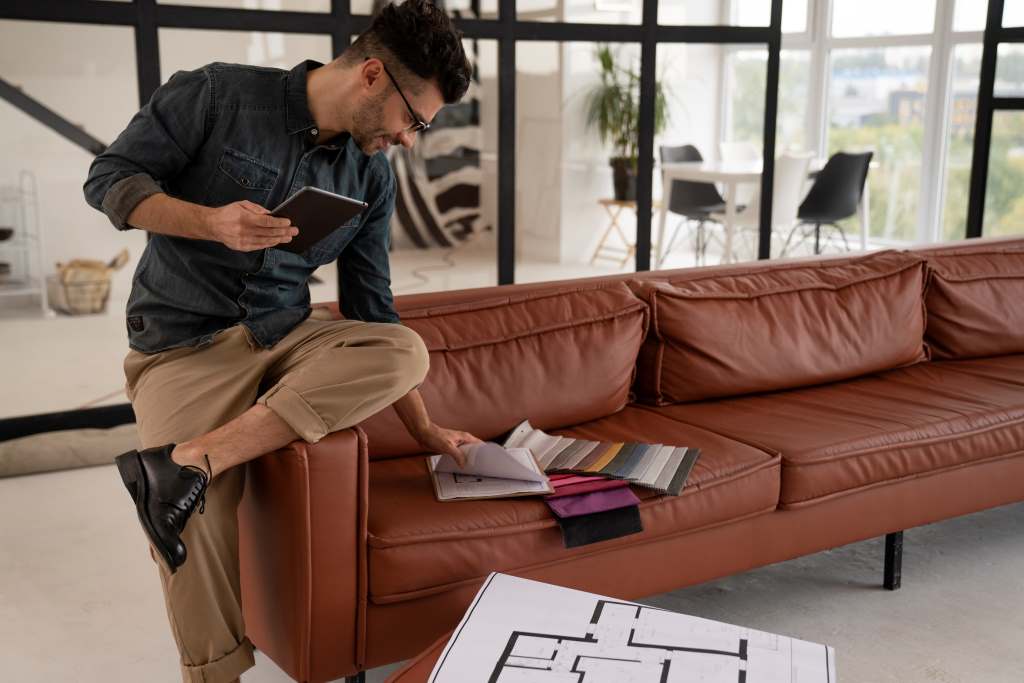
[(166, 215), (413, 413)]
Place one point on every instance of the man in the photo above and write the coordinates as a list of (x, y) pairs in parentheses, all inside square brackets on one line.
[(226, 362)]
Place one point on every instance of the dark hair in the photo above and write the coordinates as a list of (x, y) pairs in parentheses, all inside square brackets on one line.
[(421, 37)]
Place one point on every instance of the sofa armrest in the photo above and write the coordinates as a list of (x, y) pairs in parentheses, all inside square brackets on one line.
[(302, 545)]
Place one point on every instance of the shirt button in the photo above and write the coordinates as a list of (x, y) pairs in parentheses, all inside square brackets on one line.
[(314, 132), (245, 181)]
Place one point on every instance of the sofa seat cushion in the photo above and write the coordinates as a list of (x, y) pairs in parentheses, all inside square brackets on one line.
[(419, 546), (793, 324), (867, 432), (564, 355)]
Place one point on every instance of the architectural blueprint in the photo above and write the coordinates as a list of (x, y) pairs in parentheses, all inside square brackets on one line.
[(521, 631)]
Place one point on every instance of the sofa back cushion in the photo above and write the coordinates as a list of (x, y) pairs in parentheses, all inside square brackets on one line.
[(781, 326), (975, 302), (557, 357)]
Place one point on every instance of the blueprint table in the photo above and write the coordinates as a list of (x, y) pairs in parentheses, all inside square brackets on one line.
[(522, 631)]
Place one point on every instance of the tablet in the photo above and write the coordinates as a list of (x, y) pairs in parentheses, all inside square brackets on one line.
[(316, 213)]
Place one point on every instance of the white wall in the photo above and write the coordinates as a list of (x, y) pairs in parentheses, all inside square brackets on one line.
[(87, 74), (538, 151)]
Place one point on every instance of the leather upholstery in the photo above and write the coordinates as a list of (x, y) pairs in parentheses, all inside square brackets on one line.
[(782, 328), (302, 549), (974, 304), (398, 631), (839, 438), (453, 542), (562, 357)]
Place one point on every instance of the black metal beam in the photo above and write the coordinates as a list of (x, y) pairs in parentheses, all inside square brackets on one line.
[(893, 572), (715, 34), (507, 144), (341, 18), (102, 417), (1012, 34), (147, 49), (49, 118), (79, 12), (983, 121), (645, 132), (1011, 103), (230, 19), (771, 105)]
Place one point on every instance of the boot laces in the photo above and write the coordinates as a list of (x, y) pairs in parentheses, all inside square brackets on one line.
[(198, 490)]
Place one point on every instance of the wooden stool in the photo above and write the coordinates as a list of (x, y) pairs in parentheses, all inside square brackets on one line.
[(614, 209)]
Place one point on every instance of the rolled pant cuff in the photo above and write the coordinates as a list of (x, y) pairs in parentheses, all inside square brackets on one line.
[(227, 668), (296, 412)]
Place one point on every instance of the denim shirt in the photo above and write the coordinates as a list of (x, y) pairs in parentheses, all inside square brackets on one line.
[(224, 133)]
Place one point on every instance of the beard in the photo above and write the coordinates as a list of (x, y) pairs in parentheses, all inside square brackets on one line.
[(366, 130)]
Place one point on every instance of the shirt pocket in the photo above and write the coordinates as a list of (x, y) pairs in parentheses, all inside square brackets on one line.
[(240, 176), (329, 248)]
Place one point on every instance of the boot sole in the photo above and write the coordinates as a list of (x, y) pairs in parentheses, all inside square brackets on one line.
[(129, 465)]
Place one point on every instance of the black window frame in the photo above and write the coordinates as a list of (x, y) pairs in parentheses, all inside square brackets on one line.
[(988, 104), (146, 17)]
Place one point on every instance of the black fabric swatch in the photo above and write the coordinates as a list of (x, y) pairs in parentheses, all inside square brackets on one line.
[(600, 526)]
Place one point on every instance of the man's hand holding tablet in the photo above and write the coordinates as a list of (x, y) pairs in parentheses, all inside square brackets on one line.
[(316, 213), (246, 226)]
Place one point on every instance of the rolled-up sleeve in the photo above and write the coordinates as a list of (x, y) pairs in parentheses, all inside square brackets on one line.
[(160, 140), (365, 272)]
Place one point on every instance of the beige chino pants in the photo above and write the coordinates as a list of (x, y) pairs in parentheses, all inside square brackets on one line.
[(325, 375)]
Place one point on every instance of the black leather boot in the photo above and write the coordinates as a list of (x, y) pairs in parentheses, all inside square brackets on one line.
[(165, 495)]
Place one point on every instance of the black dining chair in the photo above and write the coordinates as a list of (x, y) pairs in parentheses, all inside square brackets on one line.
[(691, 200), (835, 195)]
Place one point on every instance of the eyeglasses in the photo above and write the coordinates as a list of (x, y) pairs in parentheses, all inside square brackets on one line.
[(419, 125)]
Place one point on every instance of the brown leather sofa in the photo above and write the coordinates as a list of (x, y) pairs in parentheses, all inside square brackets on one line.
[(833, 400)]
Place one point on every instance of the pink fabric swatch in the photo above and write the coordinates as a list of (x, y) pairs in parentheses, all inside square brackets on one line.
[(589, 503), (588, 487)]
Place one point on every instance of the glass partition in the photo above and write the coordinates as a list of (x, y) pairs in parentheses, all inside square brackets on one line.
[(44, 220)]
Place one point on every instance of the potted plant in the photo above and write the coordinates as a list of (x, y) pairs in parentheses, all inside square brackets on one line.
[(613, 108)]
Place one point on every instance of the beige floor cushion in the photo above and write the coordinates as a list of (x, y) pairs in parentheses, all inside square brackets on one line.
[(66, 449)]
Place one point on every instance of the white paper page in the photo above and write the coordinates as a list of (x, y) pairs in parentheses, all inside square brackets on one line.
[(455, 486), (544, 445), (488, 459), (515, 439), (521, 631)]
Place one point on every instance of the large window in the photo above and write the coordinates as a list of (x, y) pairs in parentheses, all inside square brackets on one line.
[(877, 102), (904, 88), (857, 18), (963, 106)]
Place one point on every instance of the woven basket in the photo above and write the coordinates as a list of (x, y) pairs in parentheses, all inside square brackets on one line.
[(78, 297)]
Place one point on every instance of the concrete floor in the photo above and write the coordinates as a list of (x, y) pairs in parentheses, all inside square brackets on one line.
[(80, 598)]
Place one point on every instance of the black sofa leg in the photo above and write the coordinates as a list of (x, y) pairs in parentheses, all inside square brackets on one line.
[(357, 678), (893, 560)]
